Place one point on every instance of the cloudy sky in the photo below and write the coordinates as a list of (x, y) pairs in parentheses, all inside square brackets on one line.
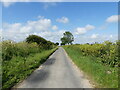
[(88, 21)]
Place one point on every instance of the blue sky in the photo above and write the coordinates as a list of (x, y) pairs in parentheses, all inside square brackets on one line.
[(88, 21)]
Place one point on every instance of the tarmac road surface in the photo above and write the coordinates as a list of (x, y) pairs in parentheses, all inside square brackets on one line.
[(57, 72)]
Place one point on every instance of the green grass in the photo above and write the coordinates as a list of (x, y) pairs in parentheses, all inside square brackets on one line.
[(97, 72), (18, 68)]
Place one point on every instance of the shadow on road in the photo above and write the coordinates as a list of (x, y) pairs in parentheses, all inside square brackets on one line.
[(38, 76), (50, 61), (42, 74)]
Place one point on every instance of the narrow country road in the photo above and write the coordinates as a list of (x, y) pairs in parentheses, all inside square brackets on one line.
[(57, 72)]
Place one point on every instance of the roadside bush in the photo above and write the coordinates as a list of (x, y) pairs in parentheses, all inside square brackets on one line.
[(107, 51), (11, 49), (40, 41), (18, 68), (20, 59)]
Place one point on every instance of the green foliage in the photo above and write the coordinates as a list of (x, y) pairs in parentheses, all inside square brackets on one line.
[(40, 41), (23, 49), (101, 75), (49, 45), (107, 52), (18, 68), (37, 39), (57, 43), (67, 38), (21, 59), (62, 44)]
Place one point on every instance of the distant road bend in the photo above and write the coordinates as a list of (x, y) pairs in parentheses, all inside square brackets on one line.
[(57, 72)]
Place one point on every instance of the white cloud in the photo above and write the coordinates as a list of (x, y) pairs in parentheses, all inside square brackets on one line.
[(55, 36), (55, 27), (89, 27), (47, 3), (113, 18), (20, 31), (42, 27), (83, 30), (80, 30), (111, 36), (94, 36), (25, 29), (7, 3), (63, 20)]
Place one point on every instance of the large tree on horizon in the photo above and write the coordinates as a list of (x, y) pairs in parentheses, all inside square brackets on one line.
[(67, 38)]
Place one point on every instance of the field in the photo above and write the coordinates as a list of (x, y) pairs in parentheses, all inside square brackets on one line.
[(19, 60), (99, 61)]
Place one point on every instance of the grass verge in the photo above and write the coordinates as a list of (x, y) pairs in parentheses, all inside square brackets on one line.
[(103, 76), (19, 68)]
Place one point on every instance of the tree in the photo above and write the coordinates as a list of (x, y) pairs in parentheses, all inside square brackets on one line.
[(62, 44), (34, 38), (57, 43), (67, 38), (40, 41)]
